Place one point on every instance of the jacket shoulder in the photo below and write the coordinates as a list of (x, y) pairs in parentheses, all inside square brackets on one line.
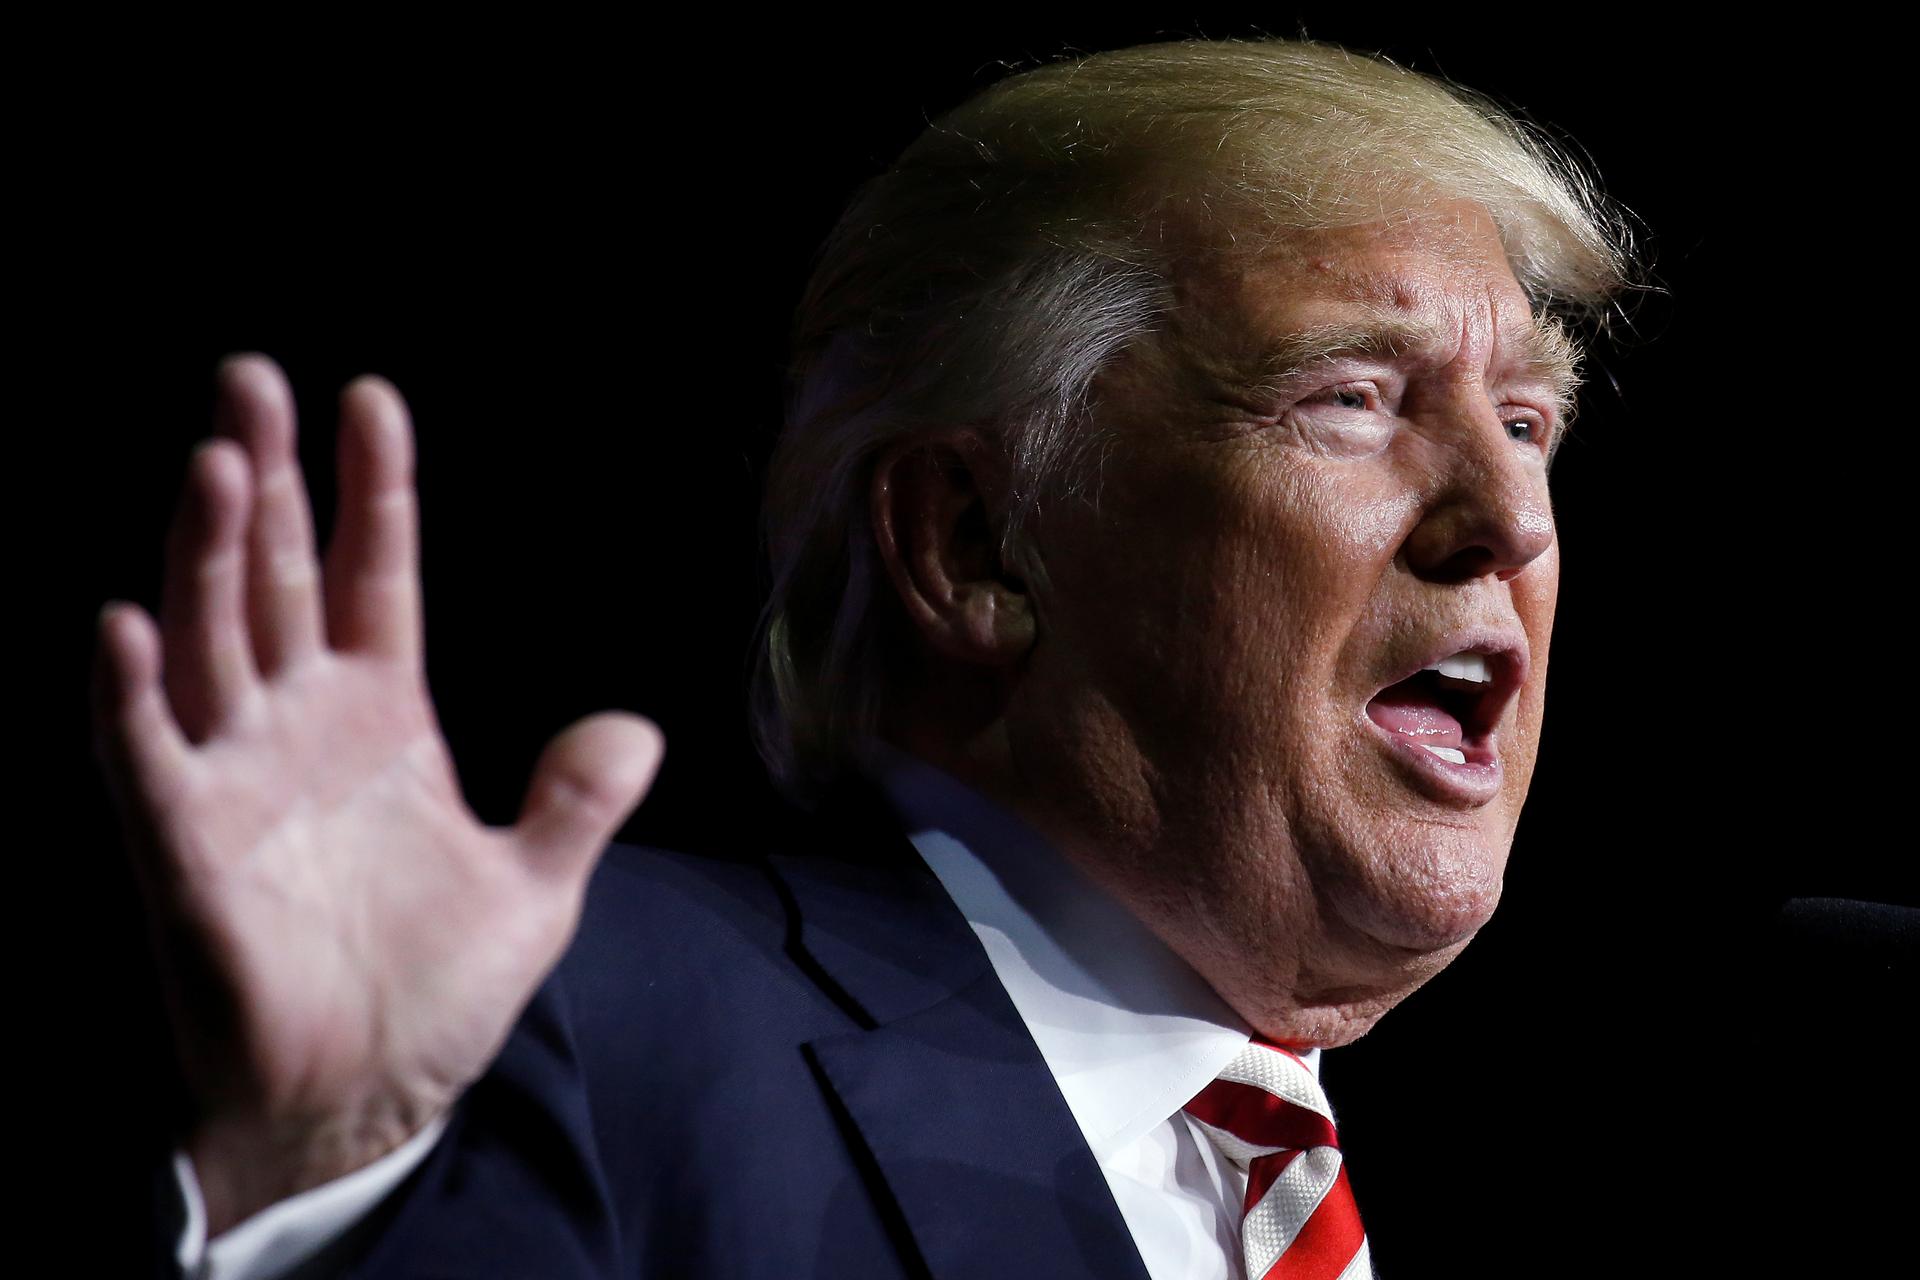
[(670, 939), (688, 1008)]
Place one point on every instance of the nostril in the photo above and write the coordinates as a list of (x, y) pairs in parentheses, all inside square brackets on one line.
[(1464, 540), (1466, 564)]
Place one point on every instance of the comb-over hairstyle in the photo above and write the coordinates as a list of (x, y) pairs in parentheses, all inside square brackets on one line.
[(1027, 238)]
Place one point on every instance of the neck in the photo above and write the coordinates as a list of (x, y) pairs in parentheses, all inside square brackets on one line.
[(1285, 965)]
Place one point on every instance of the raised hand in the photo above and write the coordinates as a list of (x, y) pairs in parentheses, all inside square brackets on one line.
[(346, 945)]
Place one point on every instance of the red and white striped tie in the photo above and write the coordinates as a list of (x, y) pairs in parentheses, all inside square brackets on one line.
[(1267, 1114)]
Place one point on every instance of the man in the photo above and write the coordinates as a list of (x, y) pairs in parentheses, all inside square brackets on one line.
[(1164, 577)]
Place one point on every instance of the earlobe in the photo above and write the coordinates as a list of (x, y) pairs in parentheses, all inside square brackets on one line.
[(933, 510), (996, 620)]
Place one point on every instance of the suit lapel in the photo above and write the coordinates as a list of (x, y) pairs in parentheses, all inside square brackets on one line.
[(943, 1083)]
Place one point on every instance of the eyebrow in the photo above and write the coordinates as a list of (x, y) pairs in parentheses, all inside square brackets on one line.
[(1542, 352)]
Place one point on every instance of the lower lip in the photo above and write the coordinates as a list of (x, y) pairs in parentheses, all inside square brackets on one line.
[(1468, 785)]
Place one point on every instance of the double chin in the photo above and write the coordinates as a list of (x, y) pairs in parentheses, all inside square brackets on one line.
[(1421, 902)]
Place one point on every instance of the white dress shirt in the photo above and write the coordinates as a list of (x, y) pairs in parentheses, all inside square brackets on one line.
[(282, 1236), (1128, 1030)]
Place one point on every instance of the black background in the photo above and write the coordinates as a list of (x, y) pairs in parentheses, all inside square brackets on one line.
[(575, 247)]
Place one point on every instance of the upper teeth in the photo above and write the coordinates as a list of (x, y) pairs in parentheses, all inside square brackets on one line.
[(1465, 666)]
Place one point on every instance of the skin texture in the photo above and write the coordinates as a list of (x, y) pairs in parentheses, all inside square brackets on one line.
[(345, 944), (1182, 708)]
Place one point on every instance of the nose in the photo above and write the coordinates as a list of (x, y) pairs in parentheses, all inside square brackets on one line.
[(1489, 513)]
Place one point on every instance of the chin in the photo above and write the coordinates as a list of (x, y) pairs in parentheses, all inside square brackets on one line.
[(1332, 1026), (1439, 925), (1326, 1019), (1424, 902)]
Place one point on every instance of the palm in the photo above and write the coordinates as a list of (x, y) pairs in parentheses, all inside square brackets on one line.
[(355, 906), (348, 944)]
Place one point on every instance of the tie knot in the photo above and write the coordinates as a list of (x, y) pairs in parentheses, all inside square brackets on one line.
[(1266, 1112), (1265, 1101)]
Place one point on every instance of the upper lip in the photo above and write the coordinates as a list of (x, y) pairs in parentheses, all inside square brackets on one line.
[(1506, 652)]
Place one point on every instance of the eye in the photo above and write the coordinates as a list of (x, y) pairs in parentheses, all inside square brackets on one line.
[(1526, 428), (1357, 396), (1343, 419)]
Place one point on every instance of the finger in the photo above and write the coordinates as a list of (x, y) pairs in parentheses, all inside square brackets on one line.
[(135, 734), (373, 574), (588, 780), (208, 663), (283, 579)]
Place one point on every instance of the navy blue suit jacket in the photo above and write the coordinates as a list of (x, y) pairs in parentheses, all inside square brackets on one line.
[(798, 1066)]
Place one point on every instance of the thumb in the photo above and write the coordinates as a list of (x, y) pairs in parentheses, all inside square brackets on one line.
[(590, 777)]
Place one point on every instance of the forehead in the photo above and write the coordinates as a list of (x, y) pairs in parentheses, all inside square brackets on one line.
[(1441, 268)]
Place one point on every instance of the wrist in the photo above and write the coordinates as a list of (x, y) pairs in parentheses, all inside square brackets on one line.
[(245, 1165)]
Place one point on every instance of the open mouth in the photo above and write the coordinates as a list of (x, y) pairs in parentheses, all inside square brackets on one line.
[(1451, 707)]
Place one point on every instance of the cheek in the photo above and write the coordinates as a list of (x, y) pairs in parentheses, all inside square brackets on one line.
[(1535, 594), (1222, 588), (1297, 559), (1310, 515), (1324, 540)]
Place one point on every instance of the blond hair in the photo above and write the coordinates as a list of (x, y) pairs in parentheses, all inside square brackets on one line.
[(1019, 246)]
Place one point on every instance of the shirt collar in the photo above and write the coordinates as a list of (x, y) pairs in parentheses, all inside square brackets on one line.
[(1130, 1032)]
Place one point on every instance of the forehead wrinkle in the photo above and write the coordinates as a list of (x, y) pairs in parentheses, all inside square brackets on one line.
[(1539, 350), (1395, 320), (1289, 356)]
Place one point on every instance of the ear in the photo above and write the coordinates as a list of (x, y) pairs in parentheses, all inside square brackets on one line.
[(935, 521)]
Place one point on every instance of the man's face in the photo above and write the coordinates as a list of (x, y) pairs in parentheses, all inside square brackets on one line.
[(1325, 477)]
